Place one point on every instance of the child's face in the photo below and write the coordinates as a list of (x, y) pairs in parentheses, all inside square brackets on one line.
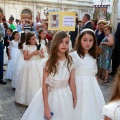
[(54, 17), (87, 42), (43, 35), (33, 40), (63, 46), (17, 36), (8, 32)]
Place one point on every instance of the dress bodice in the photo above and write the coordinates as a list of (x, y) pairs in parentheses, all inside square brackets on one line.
[(61, 78), (13, 44), (32, 48), (84, 66)]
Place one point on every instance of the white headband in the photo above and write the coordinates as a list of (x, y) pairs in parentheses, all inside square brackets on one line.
[(87, 29)]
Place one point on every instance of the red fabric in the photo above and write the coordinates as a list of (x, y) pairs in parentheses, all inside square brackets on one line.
[(48, 37)]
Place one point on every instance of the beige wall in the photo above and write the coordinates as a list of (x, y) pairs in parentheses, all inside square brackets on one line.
[(15, 7)]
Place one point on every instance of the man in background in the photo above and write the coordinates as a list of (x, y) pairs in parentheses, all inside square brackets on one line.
[(2, 34)]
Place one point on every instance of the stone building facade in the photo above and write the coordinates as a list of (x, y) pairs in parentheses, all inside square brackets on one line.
[(29, 8)]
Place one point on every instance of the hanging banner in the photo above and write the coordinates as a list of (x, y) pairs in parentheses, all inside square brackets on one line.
[(100, 11), (62, 21)]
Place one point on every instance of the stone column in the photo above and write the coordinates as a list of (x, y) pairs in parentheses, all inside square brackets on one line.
[(34, 12)]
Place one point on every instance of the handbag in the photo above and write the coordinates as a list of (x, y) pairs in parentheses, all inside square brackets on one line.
[(99, 50)]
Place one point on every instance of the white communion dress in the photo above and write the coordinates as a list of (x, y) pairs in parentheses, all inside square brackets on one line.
[(59, 97), (30, 78), (14, 52), (89, 96), (17, 68), (111, 110)]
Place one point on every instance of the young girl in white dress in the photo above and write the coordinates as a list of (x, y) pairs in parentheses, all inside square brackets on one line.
[(43, 41), (111, 111), (58, 92), (89, 96), (31, 74), (13, 54), (19, 62)]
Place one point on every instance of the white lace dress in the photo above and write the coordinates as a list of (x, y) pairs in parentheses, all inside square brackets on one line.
[(111, 110), (30, 78), (89, 96), (59, 97)]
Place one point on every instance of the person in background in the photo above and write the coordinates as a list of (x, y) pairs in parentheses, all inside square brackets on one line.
[(4, 21), (2, 34), (104, 60), (99, 33), (49, 34), (86, 22), (73, 34), (12, 26), (80, 24), (8, 38), (116, 51), (37, 29), (27, 25)]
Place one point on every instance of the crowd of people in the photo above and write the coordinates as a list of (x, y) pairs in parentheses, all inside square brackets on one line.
[(52, 70)]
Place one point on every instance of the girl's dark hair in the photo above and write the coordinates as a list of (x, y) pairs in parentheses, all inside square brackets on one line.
[(79, 48), (13, 34), (5, 25), (39, 37), (9, 29), (28, 37), (22, 40)]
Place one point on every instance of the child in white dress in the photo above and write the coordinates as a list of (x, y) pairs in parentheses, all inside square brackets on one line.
[(13, 54), (111, 111), (89, 96), (58, 92), (43, 41), (31, 74), (19, 62)]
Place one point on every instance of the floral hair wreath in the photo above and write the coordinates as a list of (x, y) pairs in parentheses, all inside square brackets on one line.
[(87, 29)]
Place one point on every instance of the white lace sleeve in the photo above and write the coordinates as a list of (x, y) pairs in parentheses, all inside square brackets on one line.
[(74, 64), (108, 112), (25, 47), (10, 45), (44, 63)]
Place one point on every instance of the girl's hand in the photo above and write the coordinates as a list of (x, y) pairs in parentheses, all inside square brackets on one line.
[(9, 57), (47, 114), (74, 103), (41, 54), (8, 41), (36, 52), (102, 43)]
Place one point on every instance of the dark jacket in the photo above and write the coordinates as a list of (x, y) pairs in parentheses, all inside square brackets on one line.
[(5, 40), (88, 25), (117, 33)]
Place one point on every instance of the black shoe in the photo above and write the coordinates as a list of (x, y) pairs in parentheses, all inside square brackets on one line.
[(4, 70), (112, 73), (2, 82)]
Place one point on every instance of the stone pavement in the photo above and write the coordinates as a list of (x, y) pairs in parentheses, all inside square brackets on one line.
[(9, 110)]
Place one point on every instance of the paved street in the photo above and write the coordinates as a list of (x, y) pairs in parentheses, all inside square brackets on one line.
[(9, 110)]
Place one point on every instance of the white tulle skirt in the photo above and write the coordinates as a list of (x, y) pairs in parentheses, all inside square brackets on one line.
[(89, 98), (60, 103), (16, 70), (29, 82)]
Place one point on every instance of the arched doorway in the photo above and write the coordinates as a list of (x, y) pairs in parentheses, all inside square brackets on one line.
[(26, 14), (1, 13)]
